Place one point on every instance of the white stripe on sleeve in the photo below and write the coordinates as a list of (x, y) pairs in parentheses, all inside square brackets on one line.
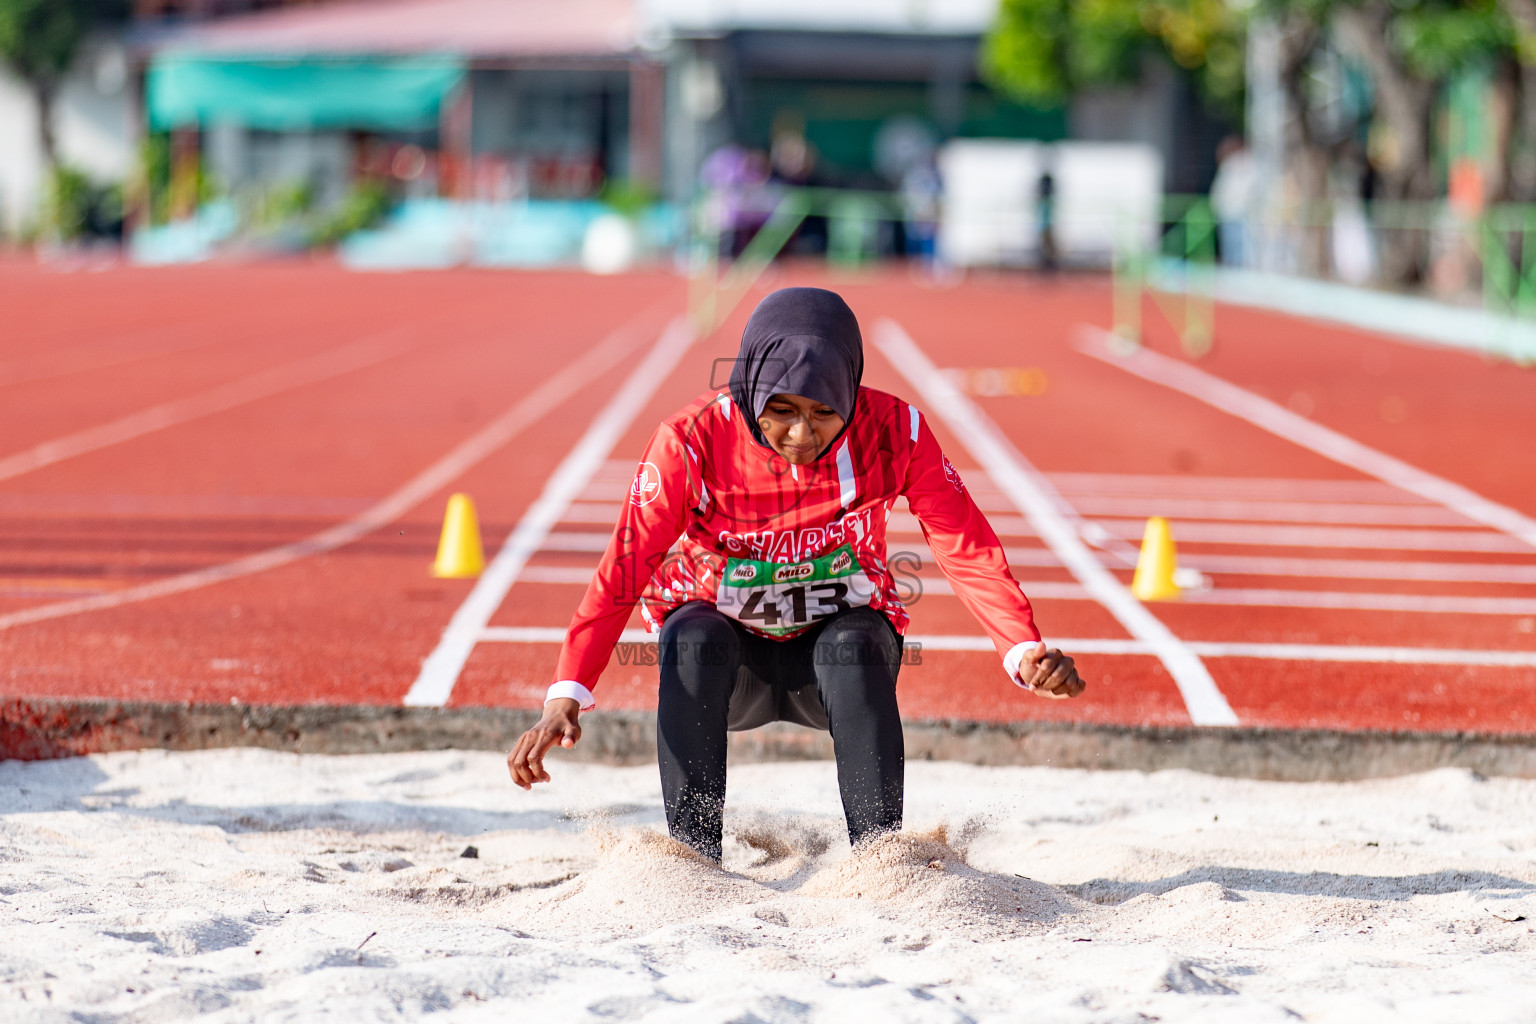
[(912, 411), (845, 478)]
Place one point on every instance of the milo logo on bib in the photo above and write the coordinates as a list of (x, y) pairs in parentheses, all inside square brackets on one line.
[(780, 600), (787, 573)]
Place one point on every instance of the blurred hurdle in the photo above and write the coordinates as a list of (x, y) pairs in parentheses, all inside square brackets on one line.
[(1184, 283), (1387, 265), (1169, 252)]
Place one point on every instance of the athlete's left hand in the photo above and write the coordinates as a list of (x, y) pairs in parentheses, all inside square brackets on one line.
[(1049, 673), (556, 725)]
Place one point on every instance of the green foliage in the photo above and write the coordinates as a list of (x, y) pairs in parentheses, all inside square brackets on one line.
[(151, 184), (154, 177), (1439, 39), (363, 207), (285, 202), (626, 196), (1040, 51), (66, 203), (1025, 52), (1434, 39), (71, 201), (1205, 37), (39, 38)]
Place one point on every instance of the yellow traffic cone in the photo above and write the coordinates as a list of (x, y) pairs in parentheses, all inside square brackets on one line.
[(459, 553), (1156, 566)]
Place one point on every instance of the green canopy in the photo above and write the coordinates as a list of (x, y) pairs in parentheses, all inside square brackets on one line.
[(386, 94)]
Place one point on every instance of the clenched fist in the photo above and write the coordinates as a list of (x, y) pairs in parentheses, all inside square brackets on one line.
[(1050, 673)]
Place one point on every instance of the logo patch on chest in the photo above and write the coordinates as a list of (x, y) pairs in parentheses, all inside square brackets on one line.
[(647, 484), (785, 573)]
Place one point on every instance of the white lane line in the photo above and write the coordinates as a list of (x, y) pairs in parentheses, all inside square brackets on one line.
[(275, 380), (1235, 488), (1037, 499), (1261, 412), (1338, 568), (556, 635), (1343, 513), (1275, 535), (419, 488), (1096, 645), (1376, 655), (1383, 538), (1361, 568), (1433, 604), (1430, 604), (440, 671)]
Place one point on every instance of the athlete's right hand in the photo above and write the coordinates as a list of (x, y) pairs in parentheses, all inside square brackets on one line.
[(1050, 673), (558, 725)]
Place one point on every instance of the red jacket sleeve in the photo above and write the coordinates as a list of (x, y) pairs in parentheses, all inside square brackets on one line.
[(654, 514), (965, 546)]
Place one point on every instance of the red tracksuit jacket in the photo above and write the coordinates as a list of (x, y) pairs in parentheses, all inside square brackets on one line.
[(709, 506)]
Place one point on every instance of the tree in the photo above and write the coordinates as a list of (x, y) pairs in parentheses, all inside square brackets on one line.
[(39, 40), (1413, 49), (1519, 156), (1043, 50)]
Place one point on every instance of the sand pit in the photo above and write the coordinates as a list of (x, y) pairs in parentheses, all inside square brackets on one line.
[(243, 885)]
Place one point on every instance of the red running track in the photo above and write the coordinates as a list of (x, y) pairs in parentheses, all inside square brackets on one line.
[(161, 423)]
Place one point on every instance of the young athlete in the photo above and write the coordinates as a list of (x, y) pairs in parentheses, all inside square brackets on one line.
[(754, 540)]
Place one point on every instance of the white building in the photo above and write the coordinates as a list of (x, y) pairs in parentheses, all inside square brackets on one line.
[(647, 86), (94, 128)]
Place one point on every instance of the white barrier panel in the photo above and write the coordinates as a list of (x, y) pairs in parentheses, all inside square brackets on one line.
[(1106, 196)]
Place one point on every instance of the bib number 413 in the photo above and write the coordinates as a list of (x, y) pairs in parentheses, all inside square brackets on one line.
[(805, 604)]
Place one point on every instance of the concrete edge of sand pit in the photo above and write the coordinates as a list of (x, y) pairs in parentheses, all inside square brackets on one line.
[(33, 729)]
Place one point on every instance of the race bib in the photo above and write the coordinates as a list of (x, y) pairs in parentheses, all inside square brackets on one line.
[(778, 599)]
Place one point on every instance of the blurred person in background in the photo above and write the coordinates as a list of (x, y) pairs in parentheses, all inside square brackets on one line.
[(905, 154), (792, 158), (921, 191), (1233, 195), (1045, 213), (779, 602), (737, 179)]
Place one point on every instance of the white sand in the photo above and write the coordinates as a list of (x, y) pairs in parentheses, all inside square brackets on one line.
[(243, 884)]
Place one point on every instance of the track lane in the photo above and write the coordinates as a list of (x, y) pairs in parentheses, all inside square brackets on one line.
[(349, 626), (1331, 444), (434, 478), (352, 625), (1156, 437), (1446, 411)]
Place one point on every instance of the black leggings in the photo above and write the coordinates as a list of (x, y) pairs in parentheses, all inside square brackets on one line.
[(839, 676)]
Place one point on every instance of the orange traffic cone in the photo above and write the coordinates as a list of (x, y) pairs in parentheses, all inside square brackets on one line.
[(1158, 563), (459, 553)]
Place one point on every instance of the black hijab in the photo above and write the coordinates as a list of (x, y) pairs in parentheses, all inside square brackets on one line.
[(799, 341)]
